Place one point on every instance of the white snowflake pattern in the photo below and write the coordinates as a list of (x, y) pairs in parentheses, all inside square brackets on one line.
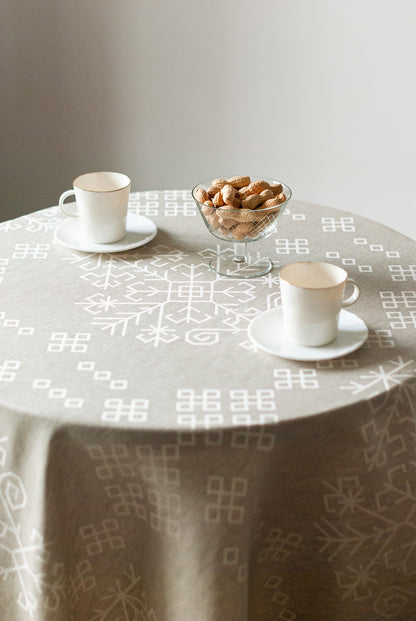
[(376, 531), (384, 377), (153, 298), (126, 601)]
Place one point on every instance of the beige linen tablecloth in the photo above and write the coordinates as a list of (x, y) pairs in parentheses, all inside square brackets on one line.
[(155, 466)]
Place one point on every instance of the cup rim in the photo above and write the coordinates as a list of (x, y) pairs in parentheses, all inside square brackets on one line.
[(127, 181), (303, 287)]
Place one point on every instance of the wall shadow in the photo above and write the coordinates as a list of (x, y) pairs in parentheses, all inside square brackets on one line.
[(58, 100)]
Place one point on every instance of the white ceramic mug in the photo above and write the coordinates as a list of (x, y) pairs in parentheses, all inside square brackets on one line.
[(312, 297), (102, 202)]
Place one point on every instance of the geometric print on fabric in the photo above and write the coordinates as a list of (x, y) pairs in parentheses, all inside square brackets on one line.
[(142, 480), (226, 499), (153, 305), (79, 366), (23, 553), (126, 599), (275, 551), (400, 308), (371, 528)]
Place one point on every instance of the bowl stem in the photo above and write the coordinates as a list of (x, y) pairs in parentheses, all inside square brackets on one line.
[(240, 255)]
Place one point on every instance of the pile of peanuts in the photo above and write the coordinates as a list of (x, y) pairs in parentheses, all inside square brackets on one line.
[(238, 207)]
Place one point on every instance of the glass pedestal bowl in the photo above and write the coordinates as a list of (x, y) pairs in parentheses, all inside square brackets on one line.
[(240, 226)]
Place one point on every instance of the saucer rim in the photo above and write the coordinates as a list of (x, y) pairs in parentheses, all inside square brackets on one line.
[(327, 352), (118, 246)]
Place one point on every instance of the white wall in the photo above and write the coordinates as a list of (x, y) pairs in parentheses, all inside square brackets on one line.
[(320, 93)]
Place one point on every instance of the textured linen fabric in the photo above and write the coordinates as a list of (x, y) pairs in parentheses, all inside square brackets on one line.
[(156, 466)]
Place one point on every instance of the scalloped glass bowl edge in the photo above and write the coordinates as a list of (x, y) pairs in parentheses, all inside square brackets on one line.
[(241, 225)]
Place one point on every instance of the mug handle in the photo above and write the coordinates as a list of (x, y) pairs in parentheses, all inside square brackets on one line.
[(354, 295), (61, 202)]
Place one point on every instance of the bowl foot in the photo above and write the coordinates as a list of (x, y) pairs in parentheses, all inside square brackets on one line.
[(234, 267)]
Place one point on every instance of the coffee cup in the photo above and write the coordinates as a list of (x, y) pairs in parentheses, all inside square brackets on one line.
[(101, 205), (312, 295)]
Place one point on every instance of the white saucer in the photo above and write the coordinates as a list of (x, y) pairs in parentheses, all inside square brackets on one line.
[(266, 331), (140, 231)]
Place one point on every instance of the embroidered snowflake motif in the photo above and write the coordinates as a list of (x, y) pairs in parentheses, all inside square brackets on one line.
[(126, 601), (345, 497), (369, 522), (152, 296), (383, 378)]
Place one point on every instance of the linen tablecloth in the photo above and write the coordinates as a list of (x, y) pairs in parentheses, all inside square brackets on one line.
[(155, 465)]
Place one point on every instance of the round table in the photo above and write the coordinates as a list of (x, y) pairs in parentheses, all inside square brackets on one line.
[(156, 465)]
